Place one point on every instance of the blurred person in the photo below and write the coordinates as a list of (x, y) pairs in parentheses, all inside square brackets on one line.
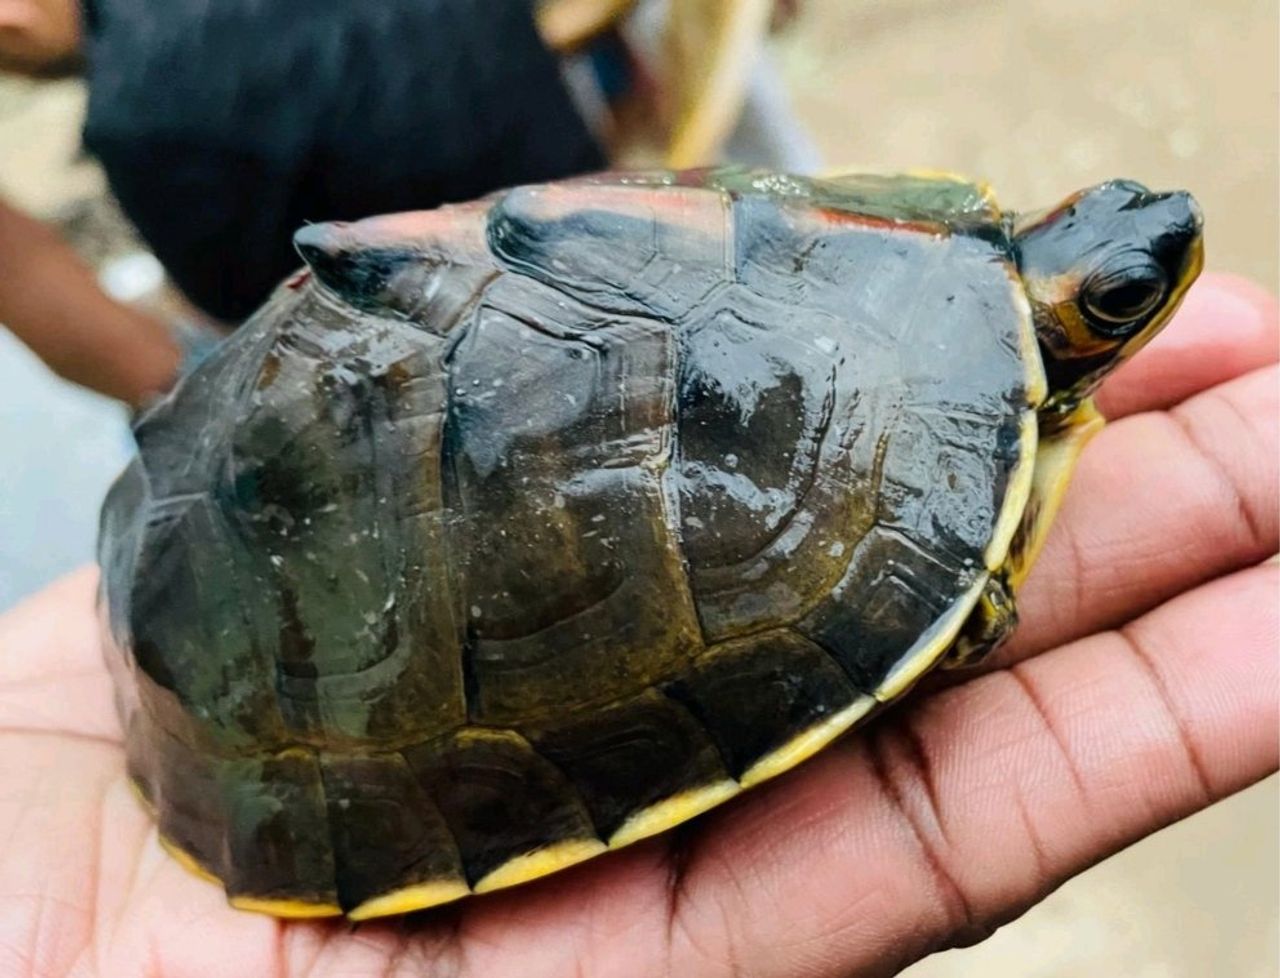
[(224, 126)]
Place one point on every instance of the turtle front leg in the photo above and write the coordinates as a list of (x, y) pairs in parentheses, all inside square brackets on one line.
[(1062, 438), (990, 624)]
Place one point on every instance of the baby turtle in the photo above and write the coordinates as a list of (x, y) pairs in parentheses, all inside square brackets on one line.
[(517, 531)]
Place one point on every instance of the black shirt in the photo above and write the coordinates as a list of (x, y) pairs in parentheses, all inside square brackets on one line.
[(223, 125)]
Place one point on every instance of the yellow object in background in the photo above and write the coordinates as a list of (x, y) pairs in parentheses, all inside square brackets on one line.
[(700, 64), (711, 47)]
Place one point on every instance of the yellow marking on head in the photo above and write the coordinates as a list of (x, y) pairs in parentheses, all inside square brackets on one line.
[(670, 812), (407, 899), (1071, 337), (187, 861), (540, 862), (292, 909), (1082, 339), (1055, 461), (1016, 495), (804, 746), (936, 643)]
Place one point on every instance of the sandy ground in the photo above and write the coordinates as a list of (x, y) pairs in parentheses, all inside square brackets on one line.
[(1038, 97), (1041, 97)]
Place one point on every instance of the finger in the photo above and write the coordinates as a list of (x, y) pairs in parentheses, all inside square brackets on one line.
[(1160, 502), (50, 787), (1227, 326), (85, 887), (52, 674), (959, 813)]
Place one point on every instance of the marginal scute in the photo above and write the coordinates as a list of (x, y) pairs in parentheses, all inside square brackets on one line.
[(180, 785), (1037, 381), (539, 862), (500, 799), (628, 755), (672, 811), (387, 833), (187, 861), (807, 743), (932, 645), (410, 899), (890, 598), (1017, 494), (753, 695), (277, 839), (288, 909)]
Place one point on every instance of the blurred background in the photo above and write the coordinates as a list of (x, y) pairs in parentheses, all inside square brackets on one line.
[(1038, 97)]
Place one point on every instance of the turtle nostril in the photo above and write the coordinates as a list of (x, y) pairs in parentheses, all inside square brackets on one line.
[(1193, 206), (1181, 210)]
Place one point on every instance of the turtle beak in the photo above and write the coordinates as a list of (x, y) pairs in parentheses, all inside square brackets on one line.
[(1178, 214), (1175, 226), (1184, 211)]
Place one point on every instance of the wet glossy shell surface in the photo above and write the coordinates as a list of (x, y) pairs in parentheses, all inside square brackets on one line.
[(527, 528)]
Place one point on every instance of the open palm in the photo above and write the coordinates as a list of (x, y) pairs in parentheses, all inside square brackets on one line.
[(1141, 687)]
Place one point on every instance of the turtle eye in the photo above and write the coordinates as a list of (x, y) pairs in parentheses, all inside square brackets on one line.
[(1119, 296)]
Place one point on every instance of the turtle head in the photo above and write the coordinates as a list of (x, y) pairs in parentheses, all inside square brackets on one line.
[(1104, 271)]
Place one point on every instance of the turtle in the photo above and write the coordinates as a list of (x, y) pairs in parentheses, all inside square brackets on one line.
[(514, 532)]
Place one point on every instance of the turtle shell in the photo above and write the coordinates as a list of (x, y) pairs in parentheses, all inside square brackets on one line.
[(525, 529)]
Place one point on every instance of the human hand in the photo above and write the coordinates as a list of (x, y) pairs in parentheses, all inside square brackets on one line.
[(1141, 687), (51, 301)]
